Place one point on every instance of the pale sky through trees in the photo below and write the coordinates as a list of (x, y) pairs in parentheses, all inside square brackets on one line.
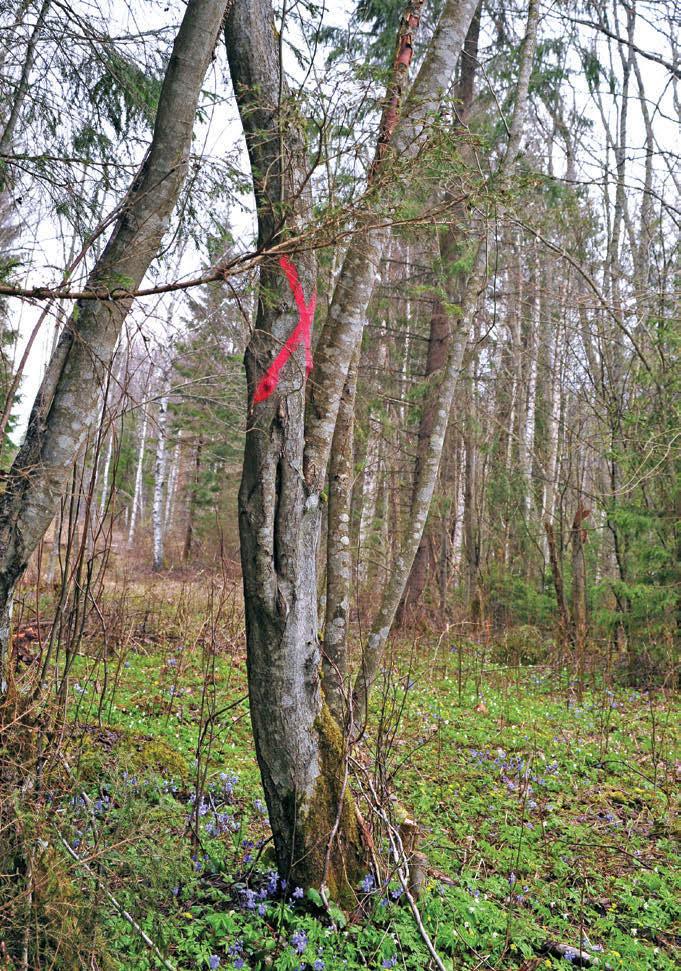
[(218, 136)]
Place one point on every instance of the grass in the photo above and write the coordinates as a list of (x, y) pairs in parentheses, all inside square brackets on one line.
[(546, 816)]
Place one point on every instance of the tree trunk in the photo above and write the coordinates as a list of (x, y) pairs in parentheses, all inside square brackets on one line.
[(579, 604), (299, 746), (66, 405), (172, 487), (443, 391), (159, 484), (139, 480), (191, 503), (339, 554), (557, 574)]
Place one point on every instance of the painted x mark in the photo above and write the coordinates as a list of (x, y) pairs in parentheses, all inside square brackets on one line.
[(302, 333)]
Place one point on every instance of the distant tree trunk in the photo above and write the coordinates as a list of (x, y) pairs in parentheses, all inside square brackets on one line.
[(471, 529), (578, 537), (443, 390), (66, 405), (104, 495), (557, 574), (159, 485), (438, 346), (139, 479), (530, 409), (171, 488), (22, 89), (440, 324), (555, 387), (192, 497)]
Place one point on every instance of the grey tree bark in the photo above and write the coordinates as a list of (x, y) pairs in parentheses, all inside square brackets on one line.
[(66, 404), (299, 745)]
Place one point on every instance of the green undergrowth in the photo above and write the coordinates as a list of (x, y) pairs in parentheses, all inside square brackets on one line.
[(547, 816)]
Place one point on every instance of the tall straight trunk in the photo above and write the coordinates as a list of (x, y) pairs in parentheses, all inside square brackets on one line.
[(530, 407), (555, 392), (579, 602), (443, 390), (370, 480), (65, 408), (564, 627), (339, 554), (192, 497), (471, 522), (139, 479), (172, 487), (159, 485)]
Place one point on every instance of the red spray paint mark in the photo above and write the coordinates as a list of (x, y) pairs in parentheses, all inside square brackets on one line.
[(302, 332)]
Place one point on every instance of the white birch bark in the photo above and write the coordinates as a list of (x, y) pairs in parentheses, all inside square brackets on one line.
[(530, 409), (139, 480), (159, 485)]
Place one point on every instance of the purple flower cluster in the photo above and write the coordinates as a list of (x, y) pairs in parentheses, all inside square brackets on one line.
[(299, 941), (368, 883)]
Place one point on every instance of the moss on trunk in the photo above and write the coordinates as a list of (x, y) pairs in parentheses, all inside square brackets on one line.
[(347, 860)]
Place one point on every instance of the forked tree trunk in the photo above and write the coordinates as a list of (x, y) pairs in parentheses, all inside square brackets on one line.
[(299, 745), (66, 405)]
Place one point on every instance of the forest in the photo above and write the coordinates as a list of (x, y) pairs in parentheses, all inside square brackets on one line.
[(340, 485)]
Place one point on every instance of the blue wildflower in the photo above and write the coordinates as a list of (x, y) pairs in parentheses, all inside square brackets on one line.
[(368, 883), (248, 899), (213, 961), (298, 893), (318, 965), (299, 941)]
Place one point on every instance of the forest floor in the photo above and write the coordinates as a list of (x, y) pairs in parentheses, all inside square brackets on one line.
[(547, 817)]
